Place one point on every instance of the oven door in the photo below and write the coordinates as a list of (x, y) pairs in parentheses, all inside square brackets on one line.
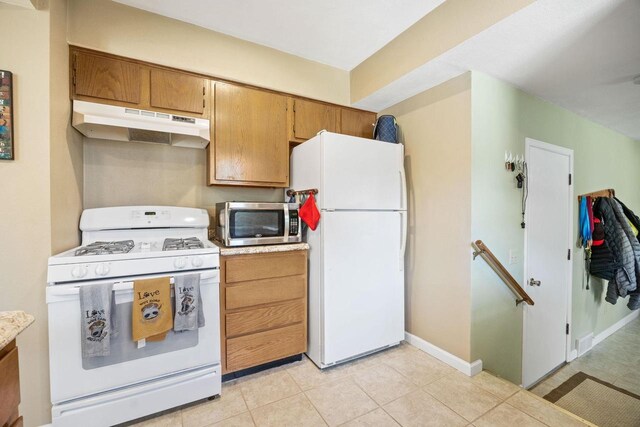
[(73, 376)]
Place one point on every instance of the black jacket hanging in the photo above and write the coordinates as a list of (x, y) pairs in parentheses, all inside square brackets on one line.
[(633, 219)]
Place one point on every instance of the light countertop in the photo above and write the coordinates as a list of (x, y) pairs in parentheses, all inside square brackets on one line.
[(262, 249), (13, 323)]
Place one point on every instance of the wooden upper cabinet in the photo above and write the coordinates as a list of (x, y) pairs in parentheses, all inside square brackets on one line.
[(249, 141), (310, 117), (171, 90), (106, 78), (357, 123)]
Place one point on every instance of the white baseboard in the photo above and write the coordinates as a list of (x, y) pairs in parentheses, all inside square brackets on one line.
[(573, 354), (615, 327), (463, 366)]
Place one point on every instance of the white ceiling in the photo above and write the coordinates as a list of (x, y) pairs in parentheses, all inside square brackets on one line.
[(340, 33), (579, 54)]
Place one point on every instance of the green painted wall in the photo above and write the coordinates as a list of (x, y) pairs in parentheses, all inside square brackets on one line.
[(502, 117)]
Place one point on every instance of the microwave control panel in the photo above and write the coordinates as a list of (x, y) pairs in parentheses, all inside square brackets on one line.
[(294, 223)]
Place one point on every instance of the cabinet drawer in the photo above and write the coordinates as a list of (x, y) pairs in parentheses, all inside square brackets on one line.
[(260, 319), (9, 386), (265, 292), (263, 347), (256, 267)]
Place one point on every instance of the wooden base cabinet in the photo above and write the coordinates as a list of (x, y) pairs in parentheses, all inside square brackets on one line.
[(263, 308), (9, 386)]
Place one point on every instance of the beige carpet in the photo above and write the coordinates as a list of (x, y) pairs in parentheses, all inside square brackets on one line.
[(597, 401)]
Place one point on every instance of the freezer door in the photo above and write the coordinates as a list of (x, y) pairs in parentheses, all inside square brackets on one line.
[(363, 282), (361, 173)]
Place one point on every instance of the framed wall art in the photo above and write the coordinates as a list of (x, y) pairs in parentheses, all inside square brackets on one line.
[(6, 116)]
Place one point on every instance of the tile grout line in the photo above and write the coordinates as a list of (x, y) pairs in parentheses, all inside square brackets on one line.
[(371, 397), (500, 401), (303, 392), (316, 409), (275, 401), (391, 415), (527, 414), (244, 399)]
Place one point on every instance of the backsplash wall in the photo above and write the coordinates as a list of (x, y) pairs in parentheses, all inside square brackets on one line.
[(124, 173)]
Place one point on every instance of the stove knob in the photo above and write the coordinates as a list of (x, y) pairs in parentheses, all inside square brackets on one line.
[(196, 261), (180, 263), (79, 271), (102, 269)]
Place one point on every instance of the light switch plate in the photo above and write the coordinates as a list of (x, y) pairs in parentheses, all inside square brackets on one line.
[(514, 258)]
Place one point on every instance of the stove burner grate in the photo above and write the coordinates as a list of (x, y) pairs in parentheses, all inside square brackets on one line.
[(182, 244), (106, 248)]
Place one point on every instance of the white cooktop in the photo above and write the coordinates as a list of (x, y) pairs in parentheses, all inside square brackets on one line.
[(141, 249), (148, 227)]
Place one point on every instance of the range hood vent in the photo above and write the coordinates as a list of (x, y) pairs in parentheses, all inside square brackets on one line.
[(101, 121)]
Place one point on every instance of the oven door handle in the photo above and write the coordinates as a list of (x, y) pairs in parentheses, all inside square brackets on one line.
[(75, 289), (70, 289)]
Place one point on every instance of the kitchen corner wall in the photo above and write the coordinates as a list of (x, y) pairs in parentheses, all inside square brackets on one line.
[(40, 188), (503, 117), (436, 130), (117, 173), (66, 143), (112, 27)]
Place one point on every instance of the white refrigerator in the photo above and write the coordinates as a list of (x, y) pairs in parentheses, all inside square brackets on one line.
[(356, 257)]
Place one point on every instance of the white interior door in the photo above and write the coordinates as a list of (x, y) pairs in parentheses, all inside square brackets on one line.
[(548, 237), (361, 173), (363, 293)]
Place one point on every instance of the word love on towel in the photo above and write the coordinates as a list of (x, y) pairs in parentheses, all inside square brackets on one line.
[(189, 310), (152, 314)]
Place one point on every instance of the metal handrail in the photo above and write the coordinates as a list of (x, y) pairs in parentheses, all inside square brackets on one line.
[(482, 250)]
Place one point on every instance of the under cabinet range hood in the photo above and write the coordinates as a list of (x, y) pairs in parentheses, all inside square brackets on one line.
[(103, 121)]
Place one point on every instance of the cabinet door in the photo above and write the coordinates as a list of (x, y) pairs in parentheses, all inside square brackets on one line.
[(177, 91), (250, 137), (107, 78), (9, 384), (311, 117), (357, 123)]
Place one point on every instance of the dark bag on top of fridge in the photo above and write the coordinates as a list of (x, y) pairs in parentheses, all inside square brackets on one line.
[(386, 129)]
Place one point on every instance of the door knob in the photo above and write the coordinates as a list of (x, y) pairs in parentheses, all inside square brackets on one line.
[(533, 282)]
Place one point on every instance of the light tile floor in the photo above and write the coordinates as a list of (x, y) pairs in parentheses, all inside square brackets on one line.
[(400, 386), (615, 360)]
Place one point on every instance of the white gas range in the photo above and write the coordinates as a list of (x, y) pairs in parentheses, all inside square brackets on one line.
[(120, 245)]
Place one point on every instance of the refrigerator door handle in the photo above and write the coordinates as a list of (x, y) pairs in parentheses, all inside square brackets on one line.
[(403, 237), (403, 189)]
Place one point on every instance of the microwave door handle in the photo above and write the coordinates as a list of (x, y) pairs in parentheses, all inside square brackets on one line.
[(287, 222)]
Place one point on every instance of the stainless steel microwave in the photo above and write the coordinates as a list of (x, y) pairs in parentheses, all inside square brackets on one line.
[(257, 223)]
